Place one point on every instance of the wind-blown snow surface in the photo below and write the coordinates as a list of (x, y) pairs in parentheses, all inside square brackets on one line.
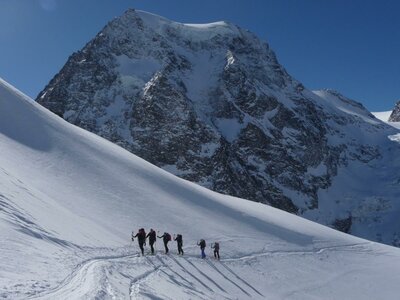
[(384, 116), (69, 200)]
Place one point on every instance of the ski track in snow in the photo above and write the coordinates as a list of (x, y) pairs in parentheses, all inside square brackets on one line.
[(194, 275), (88, 271), (79, 272)]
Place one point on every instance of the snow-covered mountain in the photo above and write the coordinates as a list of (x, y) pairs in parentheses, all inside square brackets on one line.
[(69, 200), (395, 114), (211, 104)]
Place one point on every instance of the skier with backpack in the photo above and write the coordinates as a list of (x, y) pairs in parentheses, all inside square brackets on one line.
[(202, 245), (166, 238), (179, 242), (215, 246), (152, 239), (141, 235)]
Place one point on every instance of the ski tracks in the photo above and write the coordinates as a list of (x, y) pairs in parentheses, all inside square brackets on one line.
[(87, 279), (133, 277), (130, 276), (206, 279), (212, 279)]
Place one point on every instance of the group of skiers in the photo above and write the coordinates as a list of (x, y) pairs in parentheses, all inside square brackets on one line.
[(141, 236)]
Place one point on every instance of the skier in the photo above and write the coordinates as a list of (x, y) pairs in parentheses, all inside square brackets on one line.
[(215, 246), (202, 245), (152, 239), (179, 242), (141, 235), (166, 238)]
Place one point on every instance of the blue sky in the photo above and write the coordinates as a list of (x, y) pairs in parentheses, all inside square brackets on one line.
[(352, 46)]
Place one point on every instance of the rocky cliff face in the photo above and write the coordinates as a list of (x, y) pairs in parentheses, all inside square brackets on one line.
[(211, 104), (395, 115)]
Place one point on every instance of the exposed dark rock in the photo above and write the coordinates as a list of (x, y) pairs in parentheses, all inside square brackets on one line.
[(343, 224), (395, 115)]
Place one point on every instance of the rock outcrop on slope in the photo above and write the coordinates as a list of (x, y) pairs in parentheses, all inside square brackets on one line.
[(395, 115), (211, 104)]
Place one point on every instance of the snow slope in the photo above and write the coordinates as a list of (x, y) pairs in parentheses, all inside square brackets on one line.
[(384, 116), (69, 200)]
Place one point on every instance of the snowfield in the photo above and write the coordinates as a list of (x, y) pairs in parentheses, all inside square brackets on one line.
[(384, 116), (70, 199)]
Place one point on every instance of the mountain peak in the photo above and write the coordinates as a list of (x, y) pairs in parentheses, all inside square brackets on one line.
[(143, 20), (395, 115), (210, 103)]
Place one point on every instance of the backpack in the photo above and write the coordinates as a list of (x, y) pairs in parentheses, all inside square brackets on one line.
[(142, 233), (203, 243), (216, 246), (167, 237)]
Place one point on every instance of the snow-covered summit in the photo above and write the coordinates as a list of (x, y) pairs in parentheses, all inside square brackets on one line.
[(131, 18), (69, 200)]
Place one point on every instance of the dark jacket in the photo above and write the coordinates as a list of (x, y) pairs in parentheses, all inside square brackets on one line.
[(141, 235), (152, 237), (178, 239), (202, 244), (166, 237)]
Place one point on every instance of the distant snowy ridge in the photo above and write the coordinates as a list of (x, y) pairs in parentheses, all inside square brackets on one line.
[(211, 104), (385, 116)]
